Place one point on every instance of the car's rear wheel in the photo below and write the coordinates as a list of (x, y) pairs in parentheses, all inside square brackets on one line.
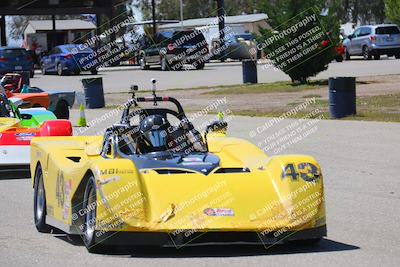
[(39, 203), (60, 70), (89, 225), (62, 110), (366, 54), (377, 57), (397, 56)]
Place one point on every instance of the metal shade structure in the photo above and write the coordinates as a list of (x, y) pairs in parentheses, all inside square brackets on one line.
[(55, 7)]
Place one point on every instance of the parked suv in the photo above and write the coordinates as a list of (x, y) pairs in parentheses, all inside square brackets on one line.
[(173, 49), (373, 41)]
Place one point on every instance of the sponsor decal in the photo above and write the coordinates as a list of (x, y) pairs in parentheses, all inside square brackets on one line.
[(114, 171), (60, 189), (24, 136), (218, 212), (50, 210)]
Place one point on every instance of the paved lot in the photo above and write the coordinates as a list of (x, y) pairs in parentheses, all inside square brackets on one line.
[(213, 74), (360, 162)]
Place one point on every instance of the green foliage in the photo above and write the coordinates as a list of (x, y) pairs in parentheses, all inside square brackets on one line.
[(309, 58), (392, 9)]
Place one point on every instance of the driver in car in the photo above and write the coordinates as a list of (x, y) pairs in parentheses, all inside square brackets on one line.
[(153, 134)]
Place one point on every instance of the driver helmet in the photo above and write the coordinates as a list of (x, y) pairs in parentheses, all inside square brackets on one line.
[(153, 131)]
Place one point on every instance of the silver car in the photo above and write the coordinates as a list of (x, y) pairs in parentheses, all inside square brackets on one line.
[(373, 41)]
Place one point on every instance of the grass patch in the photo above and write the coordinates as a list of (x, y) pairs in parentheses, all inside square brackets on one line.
[(265, 88), (383, 108), (311, 96)]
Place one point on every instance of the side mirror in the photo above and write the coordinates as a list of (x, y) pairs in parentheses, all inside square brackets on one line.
[(216, 126)]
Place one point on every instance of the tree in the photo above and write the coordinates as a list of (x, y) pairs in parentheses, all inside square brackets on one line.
[(392, 10), (289, 51)]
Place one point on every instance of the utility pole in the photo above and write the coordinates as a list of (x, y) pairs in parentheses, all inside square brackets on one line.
[(221, 27), (181, 14), (153, 12)]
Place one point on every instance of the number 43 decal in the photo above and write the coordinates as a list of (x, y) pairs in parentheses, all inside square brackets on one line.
[(306, 171)]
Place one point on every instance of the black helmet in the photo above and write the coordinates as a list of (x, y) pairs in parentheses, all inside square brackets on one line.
[(153, 131)]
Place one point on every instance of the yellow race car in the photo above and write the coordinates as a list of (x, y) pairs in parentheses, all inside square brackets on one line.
[(153, 179)]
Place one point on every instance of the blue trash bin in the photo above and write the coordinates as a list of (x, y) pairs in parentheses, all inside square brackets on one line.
[(342, 97), (249, 70), (94, 94)]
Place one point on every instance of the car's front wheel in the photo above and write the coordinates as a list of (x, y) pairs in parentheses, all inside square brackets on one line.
[(89, 226), (200, 66), (143, 64), (346, 54), (164, 64), (43, 69), (39, 203)]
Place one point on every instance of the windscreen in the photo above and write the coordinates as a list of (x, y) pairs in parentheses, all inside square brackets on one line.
[(13, 53), (387, 30), (188, 38), (80, 49)]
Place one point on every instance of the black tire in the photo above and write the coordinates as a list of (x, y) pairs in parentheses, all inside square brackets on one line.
[(339, 58), (200, 66), (94, 71), (164, 64), (39, 203), (377, 57), (397, 56), (60, 70), (89, 218), (143, 64), (62, 110), (366, 54)]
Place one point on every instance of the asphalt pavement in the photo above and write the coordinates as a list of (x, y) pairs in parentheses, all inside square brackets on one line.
[(119, 79), (360, 162)]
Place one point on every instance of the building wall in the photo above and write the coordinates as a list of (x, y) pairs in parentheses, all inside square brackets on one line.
[(253, 27)]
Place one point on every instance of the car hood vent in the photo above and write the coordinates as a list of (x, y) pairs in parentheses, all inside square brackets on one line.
[(172, 171), (232, 170)]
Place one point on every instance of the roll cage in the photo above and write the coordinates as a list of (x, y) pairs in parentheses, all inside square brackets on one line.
[(115, 134)]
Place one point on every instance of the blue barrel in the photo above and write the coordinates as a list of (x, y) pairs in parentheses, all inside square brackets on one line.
[(249, 69), (94, 94), (342, 97)]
